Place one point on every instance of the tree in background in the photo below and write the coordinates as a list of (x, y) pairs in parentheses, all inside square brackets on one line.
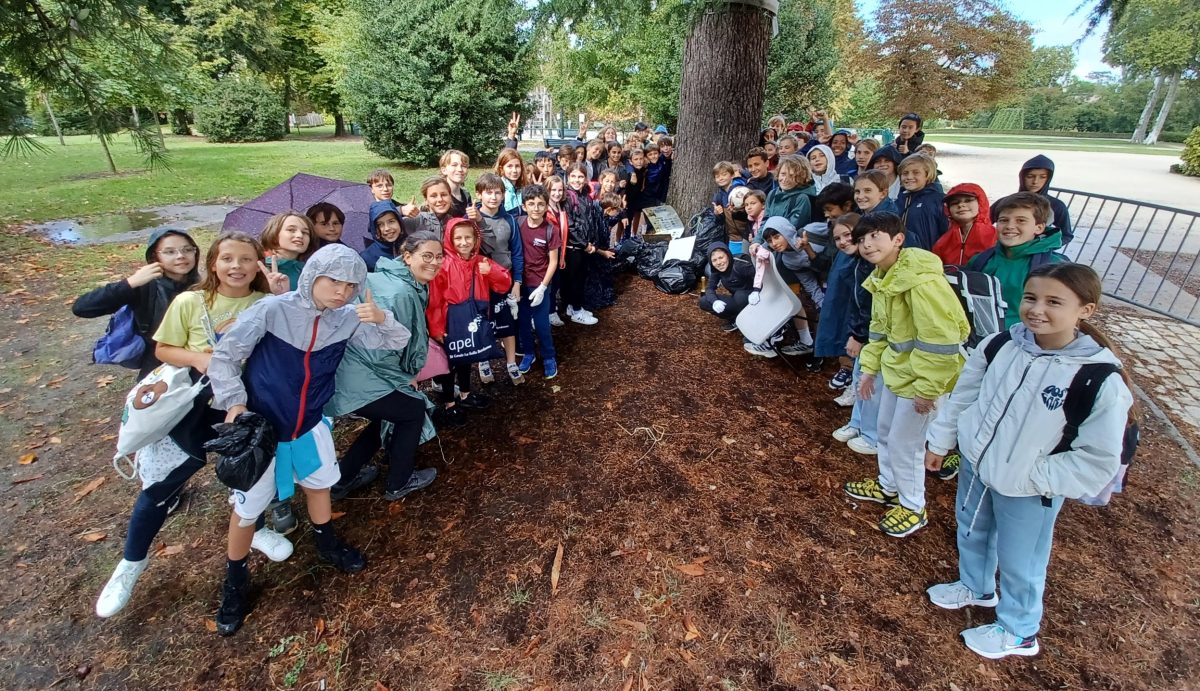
[(949, 58), (449, 80), (1160, 38), (804, 58)]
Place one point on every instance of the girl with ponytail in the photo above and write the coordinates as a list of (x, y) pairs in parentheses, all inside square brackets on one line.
[(1007, 417)]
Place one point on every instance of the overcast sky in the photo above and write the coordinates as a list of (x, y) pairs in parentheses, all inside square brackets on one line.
[(1054, 24)]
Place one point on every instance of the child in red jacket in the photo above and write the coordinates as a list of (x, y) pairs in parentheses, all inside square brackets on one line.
[(971, 230), (452, 286)]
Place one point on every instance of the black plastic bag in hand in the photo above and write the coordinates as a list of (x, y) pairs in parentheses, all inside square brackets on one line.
[(244, 450)]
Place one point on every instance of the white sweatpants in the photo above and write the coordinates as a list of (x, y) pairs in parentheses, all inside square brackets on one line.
[(902, 449)]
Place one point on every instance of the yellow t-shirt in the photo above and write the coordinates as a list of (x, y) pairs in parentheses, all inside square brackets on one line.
[(188, 325)]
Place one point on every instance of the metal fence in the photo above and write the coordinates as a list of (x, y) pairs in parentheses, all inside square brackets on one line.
[(1146, 254)]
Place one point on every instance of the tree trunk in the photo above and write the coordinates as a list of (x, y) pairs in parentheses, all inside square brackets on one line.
[(53, 120), (720, 98), (162, 141), (137, 119), (287, 102), (339, 124), (112, 165), (1172, 92), (179, 119), (1139, 135)]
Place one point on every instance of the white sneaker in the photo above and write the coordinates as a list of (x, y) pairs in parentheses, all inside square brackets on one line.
[(845, 433), (860, 445), (956, 596), (555, 320), (514, 373), (275, 546), (588, 313), (846, 399), (116, 592), (993, 642), (582, 317), (759, 350), (485, 373)]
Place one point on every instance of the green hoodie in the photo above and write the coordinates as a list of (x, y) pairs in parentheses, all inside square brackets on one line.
[(292, 268), (917, 327), (795, 205), (366, 375), (1010, 265)]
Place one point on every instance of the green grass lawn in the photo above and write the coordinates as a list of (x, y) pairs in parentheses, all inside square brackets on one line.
[(73, 181), (1053, 143)]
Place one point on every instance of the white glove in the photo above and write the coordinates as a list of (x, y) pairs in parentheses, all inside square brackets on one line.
[(535, 298), (754, 298), (512, 306), (719, 306)]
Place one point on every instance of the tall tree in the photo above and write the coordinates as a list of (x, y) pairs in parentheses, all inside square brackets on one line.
[(804, 58), (721, 95), (1048, 66), (950, 58)]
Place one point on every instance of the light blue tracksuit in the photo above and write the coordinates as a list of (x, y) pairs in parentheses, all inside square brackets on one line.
[(864, 416)]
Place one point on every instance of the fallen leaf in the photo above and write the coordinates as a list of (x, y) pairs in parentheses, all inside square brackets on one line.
[(556, 570), (635, 625), (533, 645), (380, 687), (690, 569), (168, 551), (94, 537), (336, 515), (320, 627), (431, 556), (31, 478), (689, 627), (686, 655), (625, 660), (105, 380), (903, 662), (728, 440), (210, 625), (90, 487), (522, 440), (628, 685), (27, 459), (55, 440)]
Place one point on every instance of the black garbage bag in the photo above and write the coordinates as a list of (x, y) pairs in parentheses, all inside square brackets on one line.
[(627, 253), (676, 277), (244, 450), (650, 259), (707, 230)]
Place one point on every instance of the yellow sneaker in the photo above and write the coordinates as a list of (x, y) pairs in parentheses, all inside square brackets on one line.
[(901, 520), (870, 490)]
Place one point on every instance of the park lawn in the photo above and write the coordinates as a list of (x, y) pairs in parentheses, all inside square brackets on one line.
[(1021, 141), (73, 181)]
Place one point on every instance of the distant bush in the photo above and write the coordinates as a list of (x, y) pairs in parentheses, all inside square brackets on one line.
[(241, 109), (1191, 154)]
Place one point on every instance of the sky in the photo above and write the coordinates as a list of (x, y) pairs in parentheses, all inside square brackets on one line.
[(1055, 23)]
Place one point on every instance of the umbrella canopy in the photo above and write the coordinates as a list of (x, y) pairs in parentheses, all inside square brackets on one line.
[(301, 191)]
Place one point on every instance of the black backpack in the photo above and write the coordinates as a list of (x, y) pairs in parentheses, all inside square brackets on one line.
[(980, 296), (1077, 406)]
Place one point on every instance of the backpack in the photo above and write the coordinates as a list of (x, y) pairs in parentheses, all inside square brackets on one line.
[(980, 296), (121, 343), (1077, 406)]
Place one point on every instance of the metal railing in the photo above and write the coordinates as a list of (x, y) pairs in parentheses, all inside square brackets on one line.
[(1146, 254)]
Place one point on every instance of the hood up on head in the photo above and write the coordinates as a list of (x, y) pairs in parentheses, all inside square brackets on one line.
[(1039, 161), (377, 210), (335, 261), (830, 175), (448, 237)]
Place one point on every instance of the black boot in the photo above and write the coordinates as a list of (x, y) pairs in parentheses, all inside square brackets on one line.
[(235, 605), (332, 550)]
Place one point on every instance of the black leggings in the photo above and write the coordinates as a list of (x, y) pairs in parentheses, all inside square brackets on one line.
[(574, 278), (407, 415), (458, 374)]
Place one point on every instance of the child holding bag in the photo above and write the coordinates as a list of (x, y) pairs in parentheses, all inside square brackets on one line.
[(292, 345)]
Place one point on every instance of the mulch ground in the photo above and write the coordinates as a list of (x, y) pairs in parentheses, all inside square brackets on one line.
[(694, 493)]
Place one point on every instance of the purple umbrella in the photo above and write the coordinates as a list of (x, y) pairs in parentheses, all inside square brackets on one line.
[(301, 191)]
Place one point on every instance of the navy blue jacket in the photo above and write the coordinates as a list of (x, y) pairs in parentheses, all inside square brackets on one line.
[(923, 215), (379, 249)]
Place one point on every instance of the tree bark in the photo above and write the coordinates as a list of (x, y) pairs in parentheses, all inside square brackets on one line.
[(179, 119), (720, 99), (287, 102), (53, 120), (1139, 135), (162, 141), (339, 124), (1172, 92), (137, 119)]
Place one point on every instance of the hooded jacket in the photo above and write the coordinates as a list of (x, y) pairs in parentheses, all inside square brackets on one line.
[(292, 268), (833, 327), (830, 175), (952, 247), (917, 327), (888, 205), (739, 275), (500, 241), (292, 348), (378, 249), (858, 316), (846, 165), (368, 374), (914, 141), (452, 285), (924, 216), (793, 258), (1007, 417), (1011, 266), (149, 302), (1060, 215), (795, 205), (890, 153)]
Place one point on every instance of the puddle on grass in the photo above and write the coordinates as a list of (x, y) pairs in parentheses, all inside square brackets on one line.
[(132, 225)]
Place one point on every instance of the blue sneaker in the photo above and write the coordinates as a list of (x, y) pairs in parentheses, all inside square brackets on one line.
[(526, 363), (551, 369)]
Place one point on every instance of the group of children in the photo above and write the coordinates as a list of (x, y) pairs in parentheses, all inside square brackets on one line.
[(299, 328), (866, 248)]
